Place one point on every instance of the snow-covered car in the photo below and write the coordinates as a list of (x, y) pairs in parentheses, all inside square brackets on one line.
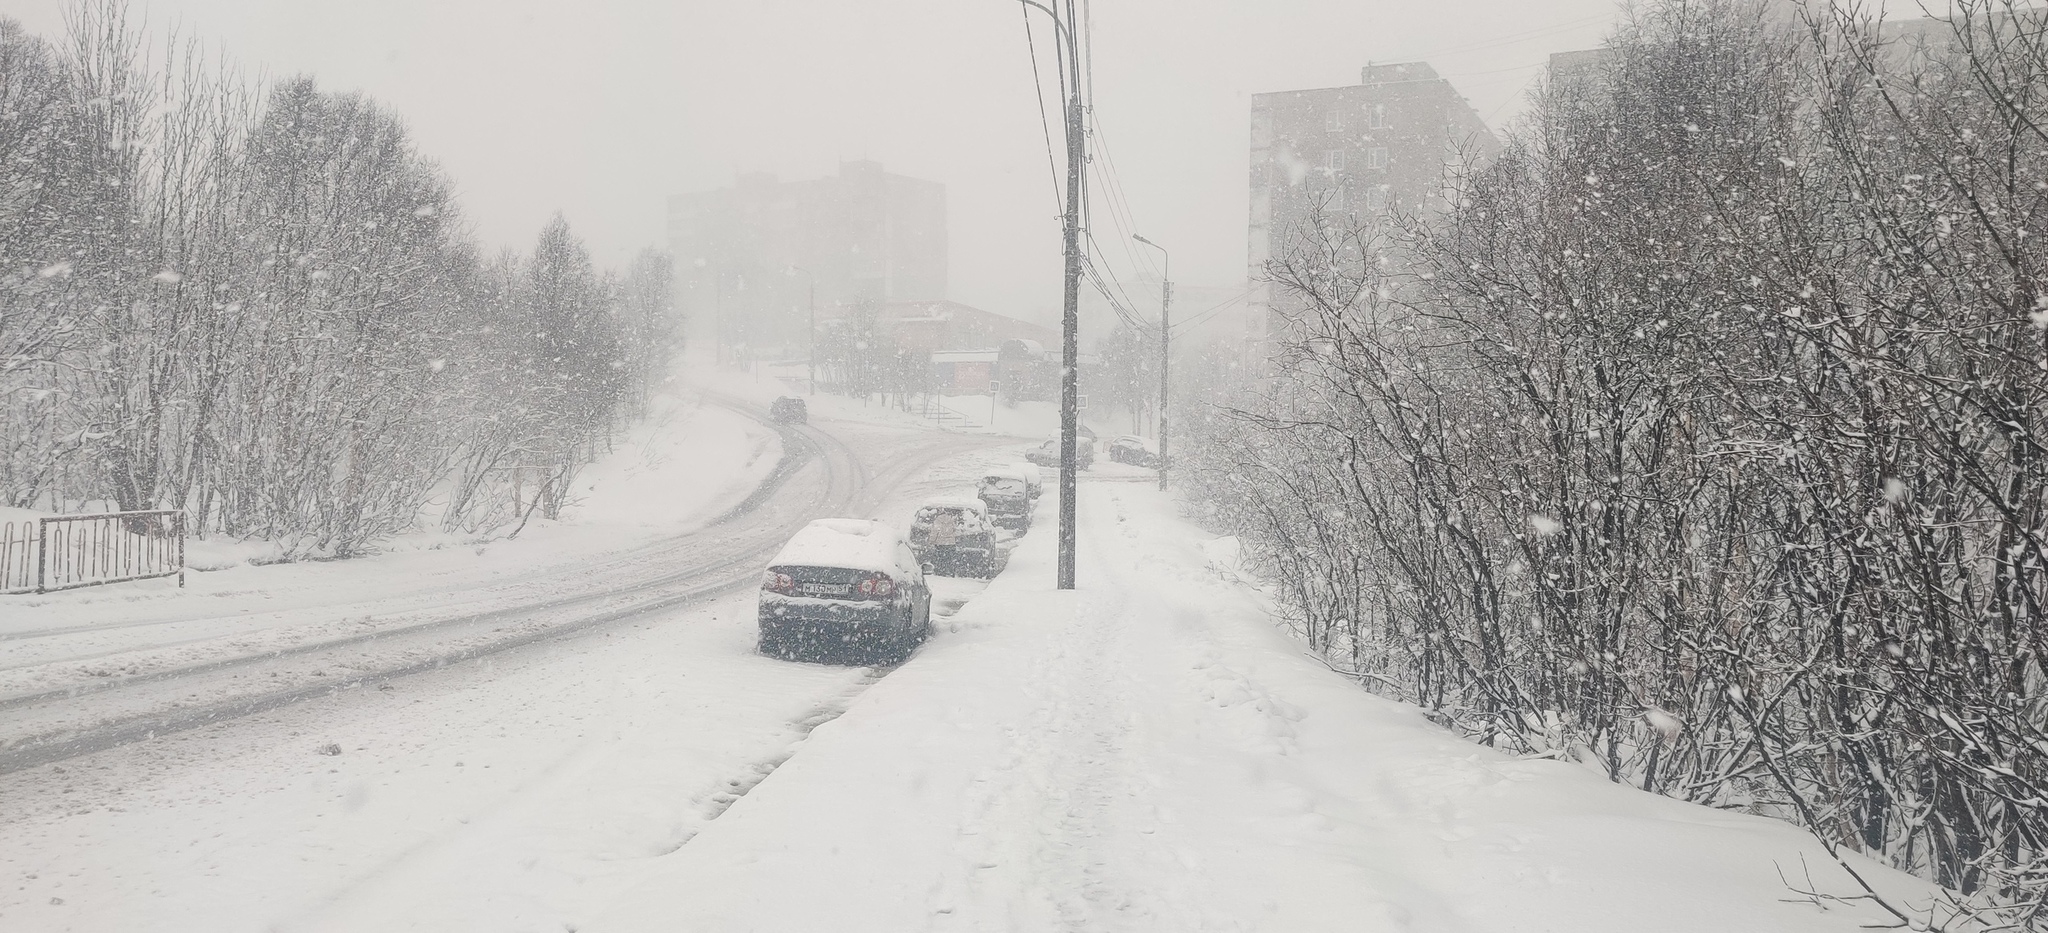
[(844, 588), (1133, 450), (1032, 477), (1007, 496), (952, 536), (789, 410), (1047, 455)]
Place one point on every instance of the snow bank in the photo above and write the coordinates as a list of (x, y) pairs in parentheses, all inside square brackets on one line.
[(1151, 753)]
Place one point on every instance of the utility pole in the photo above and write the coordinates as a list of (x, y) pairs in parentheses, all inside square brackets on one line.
[(1077, 154), (1165, 338), (1070, 323)]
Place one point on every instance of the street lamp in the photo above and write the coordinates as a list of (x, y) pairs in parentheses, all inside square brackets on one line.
[(811, 343), (1165, 335)]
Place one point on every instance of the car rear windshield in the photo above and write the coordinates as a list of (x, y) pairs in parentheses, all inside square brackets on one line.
[(1003, 486), (829, 575)]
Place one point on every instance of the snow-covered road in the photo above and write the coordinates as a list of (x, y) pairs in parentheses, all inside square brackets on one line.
[(78, 675), (1146, 753), (1150, 753), (427, 777)]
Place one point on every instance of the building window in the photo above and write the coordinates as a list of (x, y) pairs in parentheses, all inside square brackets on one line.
[(1333, 121), (1334, 204), (1376, 117), (1376, 157), (1376, 198), (1334, 160)]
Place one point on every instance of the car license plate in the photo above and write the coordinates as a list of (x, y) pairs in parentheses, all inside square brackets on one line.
[(824, 589)]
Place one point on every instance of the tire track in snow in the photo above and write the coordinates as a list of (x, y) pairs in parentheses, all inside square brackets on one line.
[(846, 487), (738, 786)]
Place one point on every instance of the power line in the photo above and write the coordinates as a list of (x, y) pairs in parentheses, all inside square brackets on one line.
[(1124, 231), (1106, 272), (1202, 317), (1119, 196), (1121, 307), (1130, 317), (1497, 71), (1038, 85), (1513, 37)]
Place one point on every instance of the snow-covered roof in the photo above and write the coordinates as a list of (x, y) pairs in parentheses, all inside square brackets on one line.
[(1006, 471), (963, 356), (953, 502), (1027, 470), (849, 543)]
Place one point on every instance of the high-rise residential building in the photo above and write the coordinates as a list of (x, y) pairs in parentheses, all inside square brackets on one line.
[(1354, 154), (748, 256)]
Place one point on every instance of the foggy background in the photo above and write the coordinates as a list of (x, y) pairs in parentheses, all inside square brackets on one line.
[(604, 108)]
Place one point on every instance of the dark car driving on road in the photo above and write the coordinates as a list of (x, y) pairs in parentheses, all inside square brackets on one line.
[(844, 589), (789, 410)]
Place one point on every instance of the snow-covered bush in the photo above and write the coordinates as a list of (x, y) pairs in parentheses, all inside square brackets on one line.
[(1702, 439), (263, 307)]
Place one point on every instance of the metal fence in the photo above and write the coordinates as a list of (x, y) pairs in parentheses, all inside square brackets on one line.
[(61, 552), (17, 557)]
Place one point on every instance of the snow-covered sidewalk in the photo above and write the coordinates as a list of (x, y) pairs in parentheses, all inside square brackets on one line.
[(1150, 753)]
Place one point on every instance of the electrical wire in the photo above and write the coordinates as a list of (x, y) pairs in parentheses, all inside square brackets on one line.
[(1108, 273), (1119, 199), (1511, 38), (1497, 71), (1204, 316), (1124, 312), (1044, 124)]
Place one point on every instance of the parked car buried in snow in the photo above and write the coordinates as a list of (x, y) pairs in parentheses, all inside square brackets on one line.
[(952, 536), (1033, 479), (844, 589), (1047, 455), (1007, 496), (789, 410), (1133, 450)]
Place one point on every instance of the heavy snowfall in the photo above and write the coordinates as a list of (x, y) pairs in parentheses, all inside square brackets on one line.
[(1613, 497)]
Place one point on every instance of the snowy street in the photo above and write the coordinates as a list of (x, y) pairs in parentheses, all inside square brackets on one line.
[(157, 661), (1147, 753), (306, 755), (1513, 466)]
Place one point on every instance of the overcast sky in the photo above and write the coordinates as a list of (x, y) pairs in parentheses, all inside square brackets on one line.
[(602, 108)]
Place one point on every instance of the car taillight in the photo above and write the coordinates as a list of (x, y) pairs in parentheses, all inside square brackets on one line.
[(878, 586), (778, 582)]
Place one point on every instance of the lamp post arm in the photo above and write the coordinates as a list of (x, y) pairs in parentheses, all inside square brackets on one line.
[(1056, 24)]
